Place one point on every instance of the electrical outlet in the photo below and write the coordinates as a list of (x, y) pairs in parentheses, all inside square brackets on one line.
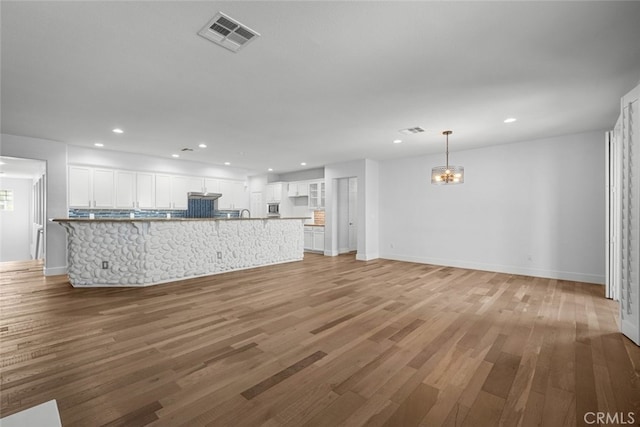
[(219, 255), (105, 265)]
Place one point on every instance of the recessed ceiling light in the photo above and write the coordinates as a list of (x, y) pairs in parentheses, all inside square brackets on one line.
[(510, 120), (303, 164), (175, 155), (118, 130), (202, 145), (99, 144), (227, 163), (397, 141), (270, 169)]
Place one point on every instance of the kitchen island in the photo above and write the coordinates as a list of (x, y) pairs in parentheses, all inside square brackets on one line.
[(149, 251)]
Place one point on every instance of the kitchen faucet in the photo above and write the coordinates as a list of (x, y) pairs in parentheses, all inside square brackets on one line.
[(243, 211)]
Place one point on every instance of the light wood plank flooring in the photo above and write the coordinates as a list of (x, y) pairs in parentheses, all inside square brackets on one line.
[(328, 341)]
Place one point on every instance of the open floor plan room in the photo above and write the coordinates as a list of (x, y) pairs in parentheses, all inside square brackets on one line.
[(326, 341)]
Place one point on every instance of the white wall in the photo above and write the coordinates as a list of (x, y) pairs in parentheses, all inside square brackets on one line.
[(15, 226), (120, 160), (55, 155), (533, 208), (371, 199), (303, 175)]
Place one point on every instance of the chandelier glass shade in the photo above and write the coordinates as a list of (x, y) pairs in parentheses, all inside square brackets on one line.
[(448, 174)]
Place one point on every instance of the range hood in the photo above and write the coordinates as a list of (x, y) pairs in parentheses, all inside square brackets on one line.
[(203, 196)]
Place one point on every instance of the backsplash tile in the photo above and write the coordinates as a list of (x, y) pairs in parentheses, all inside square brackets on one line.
[(125, 213), (318, 217), (201, 208), (226, 214), (152, 213)]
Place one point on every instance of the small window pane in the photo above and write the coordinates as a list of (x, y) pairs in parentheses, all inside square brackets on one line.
[(6, 200)]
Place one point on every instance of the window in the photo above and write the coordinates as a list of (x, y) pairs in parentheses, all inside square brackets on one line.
[(6, 200)]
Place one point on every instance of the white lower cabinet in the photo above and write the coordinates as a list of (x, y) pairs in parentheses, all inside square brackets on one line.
[(308, 238), (318, 239), (314, 238)]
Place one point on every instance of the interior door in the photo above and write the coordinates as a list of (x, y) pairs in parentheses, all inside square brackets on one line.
[(39, 215), (612, 260), (630, 211), (257, 205), (353, 214), (342, 222)]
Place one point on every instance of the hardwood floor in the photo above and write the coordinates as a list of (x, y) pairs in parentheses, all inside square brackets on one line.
[(327, 341)]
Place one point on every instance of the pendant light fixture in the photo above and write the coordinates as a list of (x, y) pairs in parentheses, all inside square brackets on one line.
[(449, 174)]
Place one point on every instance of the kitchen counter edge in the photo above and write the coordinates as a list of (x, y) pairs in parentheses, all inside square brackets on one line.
[(171, 219)]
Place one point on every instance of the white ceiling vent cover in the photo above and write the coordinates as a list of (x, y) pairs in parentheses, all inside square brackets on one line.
[(411, 131), (228, 33)]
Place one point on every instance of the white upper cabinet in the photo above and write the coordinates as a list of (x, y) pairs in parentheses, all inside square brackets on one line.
[(91, 187), (298, 189), (80, 190), (125, 189), (163, 191), (134, 190), (211, 185), (103, 188), (233, 196), (316, 195), (180, 186), (145, 190), (274, 192)]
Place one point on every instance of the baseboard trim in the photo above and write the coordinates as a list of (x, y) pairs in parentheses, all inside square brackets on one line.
[(55, 271), (508, 269), (367, 257)]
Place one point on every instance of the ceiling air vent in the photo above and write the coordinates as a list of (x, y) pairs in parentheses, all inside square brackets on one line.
[(228, 33), (411, 131)]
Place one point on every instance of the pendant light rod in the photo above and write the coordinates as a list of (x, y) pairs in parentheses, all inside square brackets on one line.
[(447, 133)]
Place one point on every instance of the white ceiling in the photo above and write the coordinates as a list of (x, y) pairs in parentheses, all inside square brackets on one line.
[(326, 81), (12, 167)]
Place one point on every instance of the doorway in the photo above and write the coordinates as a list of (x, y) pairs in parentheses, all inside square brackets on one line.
[(258, 207), (22, 208), (347, 214)]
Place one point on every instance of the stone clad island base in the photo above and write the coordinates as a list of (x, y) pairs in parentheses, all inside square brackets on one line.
[(143, 252)]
